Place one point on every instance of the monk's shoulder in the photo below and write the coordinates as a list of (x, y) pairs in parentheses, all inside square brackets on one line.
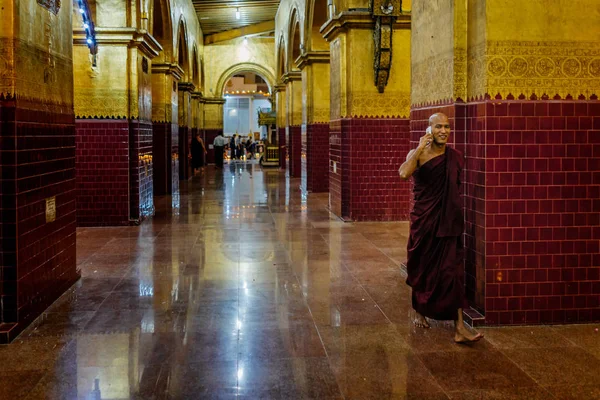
[(458, 155)]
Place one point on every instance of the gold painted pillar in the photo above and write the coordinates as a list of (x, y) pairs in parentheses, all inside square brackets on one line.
[(293, 130), (113, 105), (165, 131), (184, 108), (37, 160), (524, 106), (281, 107), (368, 130), (315, 119), (212, 114)]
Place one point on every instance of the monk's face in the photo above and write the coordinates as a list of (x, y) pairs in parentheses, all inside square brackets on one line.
[(441, 129)]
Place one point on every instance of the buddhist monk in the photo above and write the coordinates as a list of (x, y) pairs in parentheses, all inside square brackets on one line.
[(435, 249)]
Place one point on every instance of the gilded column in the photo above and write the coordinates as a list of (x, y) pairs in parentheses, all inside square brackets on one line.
[(293, 131), (37, 160), (368, 129), (184, 108), (281, 107), (165, 127), (213, 121), (315, 119), (113, 106)]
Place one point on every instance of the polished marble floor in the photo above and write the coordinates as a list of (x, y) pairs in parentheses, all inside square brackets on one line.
[(247, 287)]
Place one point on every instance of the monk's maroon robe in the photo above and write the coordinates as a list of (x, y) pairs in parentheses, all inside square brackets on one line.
[(435, 248)]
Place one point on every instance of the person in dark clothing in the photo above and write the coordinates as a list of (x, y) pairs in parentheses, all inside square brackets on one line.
[(233, 148), (198, 153), (435, 250)]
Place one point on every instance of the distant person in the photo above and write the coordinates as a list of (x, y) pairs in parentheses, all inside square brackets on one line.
[(219, 144), (198, 153)]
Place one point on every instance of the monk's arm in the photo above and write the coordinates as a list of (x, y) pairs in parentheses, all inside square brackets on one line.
[(410, 165)]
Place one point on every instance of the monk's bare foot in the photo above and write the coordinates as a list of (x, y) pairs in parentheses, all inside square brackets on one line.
[(419, 320), (463, 335)]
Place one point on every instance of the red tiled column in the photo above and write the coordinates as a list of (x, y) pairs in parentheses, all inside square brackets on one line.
[(114, 172), (161, 157), (102, 172), (317, 157), (364, 184), (294, 139), (37, 255), (542, 210), (140, 167), (336, 191)]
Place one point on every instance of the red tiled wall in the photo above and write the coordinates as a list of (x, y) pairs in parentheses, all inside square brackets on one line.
[(317, 157), (281, 136), (140, 164), (542, 190), (184, 151), (161, 157), (294, 139), (370, 150), (102, 172), (37, 258), (335, 175), (209, 138)]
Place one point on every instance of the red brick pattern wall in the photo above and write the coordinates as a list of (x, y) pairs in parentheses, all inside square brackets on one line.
[(369, 151), (335, 167), (295, 150), (36, 256), (542, 190), (281, 135), (140, 164), (161, 169), (209, 138), (317, 157), (102, 172)]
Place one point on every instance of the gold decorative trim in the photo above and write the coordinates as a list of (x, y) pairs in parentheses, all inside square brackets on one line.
[(131, 37), (357, 20), (291, 76), (536, 68), (168, 69), (186, 86), (369, 104), (312, 57), (214, 100)]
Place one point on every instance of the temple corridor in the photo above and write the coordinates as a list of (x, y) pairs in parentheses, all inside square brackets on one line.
[(246, 286)]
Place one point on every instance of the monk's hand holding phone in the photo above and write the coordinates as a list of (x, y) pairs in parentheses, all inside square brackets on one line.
[(426, 139)]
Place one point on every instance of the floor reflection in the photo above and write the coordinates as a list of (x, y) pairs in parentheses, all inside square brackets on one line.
[(245, 286)]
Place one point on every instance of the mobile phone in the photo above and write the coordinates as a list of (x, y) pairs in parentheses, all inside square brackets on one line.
[(428, 130)]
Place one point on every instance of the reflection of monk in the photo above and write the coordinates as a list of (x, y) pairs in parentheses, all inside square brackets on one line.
[(435, 249)]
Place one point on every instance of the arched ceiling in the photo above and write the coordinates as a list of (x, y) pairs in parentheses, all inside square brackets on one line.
[(219, 15)]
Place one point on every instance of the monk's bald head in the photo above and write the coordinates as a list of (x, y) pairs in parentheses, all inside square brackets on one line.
[(437, 118)]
